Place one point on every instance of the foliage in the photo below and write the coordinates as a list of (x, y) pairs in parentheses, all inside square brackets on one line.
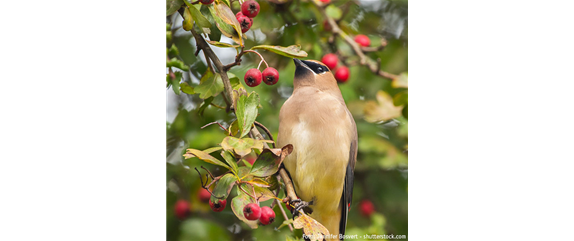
[(281, 31)]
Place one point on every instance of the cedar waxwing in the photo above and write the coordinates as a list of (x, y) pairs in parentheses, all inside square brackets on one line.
[(316, 121)]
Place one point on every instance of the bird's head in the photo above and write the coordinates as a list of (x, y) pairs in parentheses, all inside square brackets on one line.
[(313, 73)]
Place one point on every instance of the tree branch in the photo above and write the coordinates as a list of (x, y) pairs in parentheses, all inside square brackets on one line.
[(201, 43), (363, 59)]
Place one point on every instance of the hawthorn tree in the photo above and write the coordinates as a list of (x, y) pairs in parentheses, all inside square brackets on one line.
[(241, 164)]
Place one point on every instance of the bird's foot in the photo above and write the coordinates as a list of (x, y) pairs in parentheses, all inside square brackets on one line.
[(300, 204)]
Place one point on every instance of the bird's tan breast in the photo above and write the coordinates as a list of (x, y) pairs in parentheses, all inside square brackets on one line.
[(320, 129)]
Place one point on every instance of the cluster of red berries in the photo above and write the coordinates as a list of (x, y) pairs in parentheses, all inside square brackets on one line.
[(253, 76), (331, 60), (264, 214), (341, 73), (249, 9)]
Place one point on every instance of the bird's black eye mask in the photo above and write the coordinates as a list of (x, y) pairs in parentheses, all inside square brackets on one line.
[(317, 68), (303, 67)]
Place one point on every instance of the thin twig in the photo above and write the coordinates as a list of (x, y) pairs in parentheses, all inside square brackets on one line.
[(207, 187), (215, 122), (208, 62), (266, 131), (208, 172), (217, 106), (237, 60), (284, 214), (363, 59), (201, 43), (252, 196)]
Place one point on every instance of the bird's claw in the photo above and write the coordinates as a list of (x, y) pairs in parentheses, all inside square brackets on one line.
[(298, 205)]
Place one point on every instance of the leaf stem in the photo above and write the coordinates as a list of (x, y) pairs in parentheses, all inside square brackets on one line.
[(241, 188), (260, 56)]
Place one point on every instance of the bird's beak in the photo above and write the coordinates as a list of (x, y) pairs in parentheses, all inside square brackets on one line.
[(298, 62)]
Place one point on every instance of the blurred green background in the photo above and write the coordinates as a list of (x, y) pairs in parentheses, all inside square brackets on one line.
[(381, 172), (490, 147)]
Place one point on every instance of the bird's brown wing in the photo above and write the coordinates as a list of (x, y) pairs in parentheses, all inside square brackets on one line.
[(347, 196)]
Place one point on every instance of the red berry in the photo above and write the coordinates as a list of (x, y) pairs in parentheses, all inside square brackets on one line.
[(245, 23), (181, 209), (252, 211), (342, 74), (325, 1), (204, 195), (253, 77), (206, 1), (366, 207), (250, 8), (218, 206), (363, 40), (270, 76), (330, 60), (238, 14), (267, 215)]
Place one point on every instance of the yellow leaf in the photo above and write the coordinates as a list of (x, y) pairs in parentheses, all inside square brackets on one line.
[(313, 229), (382, 110)]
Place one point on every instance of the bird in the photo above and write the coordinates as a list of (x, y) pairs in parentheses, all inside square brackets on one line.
[(317, 122)]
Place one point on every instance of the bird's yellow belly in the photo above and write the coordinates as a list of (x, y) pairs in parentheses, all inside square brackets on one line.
[(318, 165)]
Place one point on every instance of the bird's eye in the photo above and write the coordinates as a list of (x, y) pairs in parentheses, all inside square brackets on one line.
[(319, 69)]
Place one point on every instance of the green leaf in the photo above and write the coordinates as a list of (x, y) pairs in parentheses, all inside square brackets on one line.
[(172, 6), (333, 11), (243, 173), (213, 149), (190, 153), (224, 12), (228, 157), (237, 205), (168, 36), (241, 147), (400, 98), (223, 187), (235, 81), (225, 28), (174, 82), (233, 128), (174, 62), (246, 110), (185, 88), (215, 34), (262, 193), (210, 85), (402, 81), (247, 164), (269, 161), (222, 45), (227, 2), (293, 51), (187, 20), (204, 105), (199, 19), (173, 51), (405, 111)]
